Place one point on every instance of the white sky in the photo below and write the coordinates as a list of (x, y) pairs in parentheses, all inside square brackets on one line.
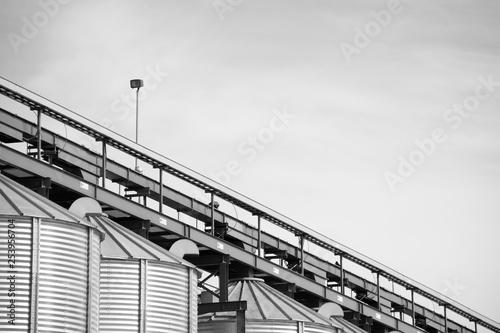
[(223, 76)]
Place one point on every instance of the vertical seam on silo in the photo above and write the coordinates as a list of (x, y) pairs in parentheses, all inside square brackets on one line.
[(190, 314), (300, 327), (35, 269), (142, 296), (90, 269)]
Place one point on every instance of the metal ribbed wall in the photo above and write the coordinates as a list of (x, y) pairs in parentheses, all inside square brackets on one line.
[(143, 287), (221, 326), (308, 328), (63, 278), (48, 265), (18, 266), (119, 301), (50, 285), (167, 298)]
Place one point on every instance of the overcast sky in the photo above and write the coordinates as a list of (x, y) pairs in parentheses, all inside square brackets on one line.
[(373, 122)]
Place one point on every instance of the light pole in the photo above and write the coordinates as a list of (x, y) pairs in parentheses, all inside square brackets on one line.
[(137, 83)]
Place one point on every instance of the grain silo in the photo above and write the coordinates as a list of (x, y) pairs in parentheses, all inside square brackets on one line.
[(268, 310), (49, 265), (143, 287)]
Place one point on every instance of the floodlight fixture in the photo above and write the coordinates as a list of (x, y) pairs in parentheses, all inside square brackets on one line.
[(136, 83)]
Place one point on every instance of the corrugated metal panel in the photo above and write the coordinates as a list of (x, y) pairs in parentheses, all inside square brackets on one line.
[(15, 264), (63, 276), (315, 328), (119, 301), (219, 326), (94, 267), (274, 326), (168, 298)]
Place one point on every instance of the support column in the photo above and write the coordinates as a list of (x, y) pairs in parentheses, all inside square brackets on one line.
[(445, 318), (378, 289), (104, 162), (413, 307), (342, 287), (224, 278), (39, 136), (302, 254), (240, 321), (259, 234), (161, 190), (212, 232)]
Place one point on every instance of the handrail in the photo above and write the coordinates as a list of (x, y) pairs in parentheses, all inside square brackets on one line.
[(27, 128), (89, 127)]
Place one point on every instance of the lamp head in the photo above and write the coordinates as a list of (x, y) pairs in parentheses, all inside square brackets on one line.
[(136, 83)]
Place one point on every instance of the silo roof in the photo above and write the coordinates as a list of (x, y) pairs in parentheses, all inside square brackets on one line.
[(122, 243), (346, 326), (266, 303), (18, 200)]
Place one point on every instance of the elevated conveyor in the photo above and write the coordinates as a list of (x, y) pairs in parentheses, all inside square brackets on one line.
[(74, 171)]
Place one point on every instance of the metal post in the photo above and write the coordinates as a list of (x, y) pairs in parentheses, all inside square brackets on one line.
[(240, 321), (413, 307), (302, 254), (136, 122), (104, 163), (212, 232), (342, 287), (445, 319), (378, 289), (224, 278), (39, 130), (161, 190), (475, 326), (259, 231)]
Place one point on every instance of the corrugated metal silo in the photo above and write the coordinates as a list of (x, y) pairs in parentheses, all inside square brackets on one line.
[(144, 288), (49, 265), (268, 310)]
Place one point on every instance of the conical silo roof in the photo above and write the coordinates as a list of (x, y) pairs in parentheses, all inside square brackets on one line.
[(266, 303), (18, 200), (122, 243)]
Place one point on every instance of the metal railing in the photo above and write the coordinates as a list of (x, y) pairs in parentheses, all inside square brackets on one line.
[(99, 133)]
